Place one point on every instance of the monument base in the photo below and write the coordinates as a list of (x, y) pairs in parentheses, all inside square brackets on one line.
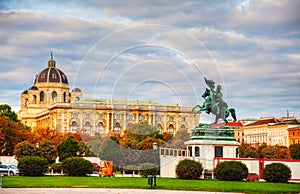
[(210, 143)]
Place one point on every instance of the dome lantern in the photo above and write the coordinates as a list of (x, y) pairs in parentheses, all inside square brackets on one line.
[(51, 62)]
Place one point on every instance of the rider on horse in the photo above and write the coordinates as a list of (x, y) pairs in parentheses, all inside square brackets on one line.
[(214, 103)]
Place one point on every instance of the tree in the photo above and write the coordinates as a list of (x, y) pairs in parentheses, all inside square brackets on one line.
[(178, 140), (84, 149), (295, 151), (269, 152), (282, 153), (5, 111), (24, 149), (68, 148), (48, 151), (246, 150), (110, 150), (260, 148), (41, 134), (10, 135)]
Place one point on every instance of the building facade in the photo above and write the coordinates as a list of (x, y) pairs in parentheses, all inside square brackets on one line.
[(270, 130), (50, 103)]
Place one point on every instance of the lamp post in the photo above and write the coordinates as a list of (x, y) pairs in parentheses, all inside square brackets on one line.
[(37, 145), (155, 147)]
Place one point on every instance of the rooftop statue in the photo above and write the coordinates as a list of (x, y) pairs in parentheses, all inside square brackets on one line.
[(214, 103)]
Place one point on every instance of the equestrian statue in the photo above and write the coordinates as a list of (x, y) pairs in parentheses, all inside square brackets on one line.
[(214, 103)]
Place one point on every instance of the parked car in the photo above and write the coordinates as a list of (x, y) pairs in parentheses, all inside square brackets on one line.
[(252, 177), (9, 169)]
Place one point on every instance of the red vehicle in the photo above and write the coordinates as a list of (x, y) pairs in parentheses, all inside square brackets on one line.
[(252, 177)]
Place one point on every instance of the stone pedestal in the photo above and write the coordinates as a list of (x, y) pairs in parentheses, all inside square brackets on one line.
[(208, 143)]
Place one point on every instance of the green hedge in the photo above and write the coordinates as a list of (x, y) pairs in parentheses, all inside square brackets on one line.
[(231, 171), (188, 169), (32, 166), (77, 166), (277, 173)]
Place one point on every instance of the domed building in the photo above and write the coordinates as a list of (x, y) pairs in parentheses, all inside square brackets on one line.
[(49, 103)]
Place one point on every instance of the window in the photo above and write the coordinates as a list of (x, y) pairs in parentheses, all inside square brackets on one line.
[(100, 128), (54, 95), (159, 128), (118, 116), (129, 117), (77, 99), (100, 116), (171, 129), (74, 126), (158, 118), (142, 117), (34, 99), (218, 151), (182, 119), (65, 97), (42, 96), (190, 148), (54, 75), (87, 127), (74, 115), (197, 151), (117, 128), (87, 116), (171, 118), (182, 126)]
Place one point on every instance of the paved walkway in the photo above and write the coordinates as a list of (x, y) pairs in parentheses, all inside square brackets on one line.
[(95, 191)]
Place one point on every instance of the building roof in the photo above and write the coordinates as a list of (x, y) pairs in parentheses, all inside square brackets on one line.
[(264, 121), (51, 74), (229, 124)]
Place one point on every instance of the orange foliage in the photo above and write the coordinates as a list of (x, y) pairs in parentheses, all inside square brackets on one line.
[(41, 134)]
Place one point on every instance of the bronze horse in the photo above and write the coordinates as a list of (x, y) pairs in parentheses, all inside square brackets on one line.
[(220, 109)]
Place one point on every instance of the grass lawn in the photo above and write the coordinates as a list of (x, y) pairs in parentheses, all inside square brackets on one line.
[(142, 183)]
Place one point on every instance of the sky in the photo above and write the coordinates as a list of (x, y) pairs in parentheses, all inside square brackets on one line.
[(158, 50)]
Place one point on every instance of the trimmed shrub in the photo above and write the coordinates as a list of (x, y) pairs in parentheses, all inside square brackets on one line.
[(148, 169), (277, 173), (188, 169), (77, 166), (32, 166), (231, 171)]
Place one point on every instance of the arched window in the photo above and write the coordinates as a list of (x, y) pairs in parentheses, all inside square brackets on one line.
[(197, 151), (171, 129), (65, 97), (130, 117), (182, 126), (159, 128), (117, 128), (42, 96), (87, 127), (54, 95), (100, 128), (74, 126), (77, 99), (34, 99)]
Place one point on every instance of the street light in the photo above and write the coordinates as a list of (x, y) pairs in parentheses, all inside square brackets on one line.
[(37, 145), (155, 147)]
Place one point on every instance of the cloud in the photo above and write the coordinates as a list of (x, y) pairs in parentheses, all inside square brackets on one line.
[(113, 49)]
